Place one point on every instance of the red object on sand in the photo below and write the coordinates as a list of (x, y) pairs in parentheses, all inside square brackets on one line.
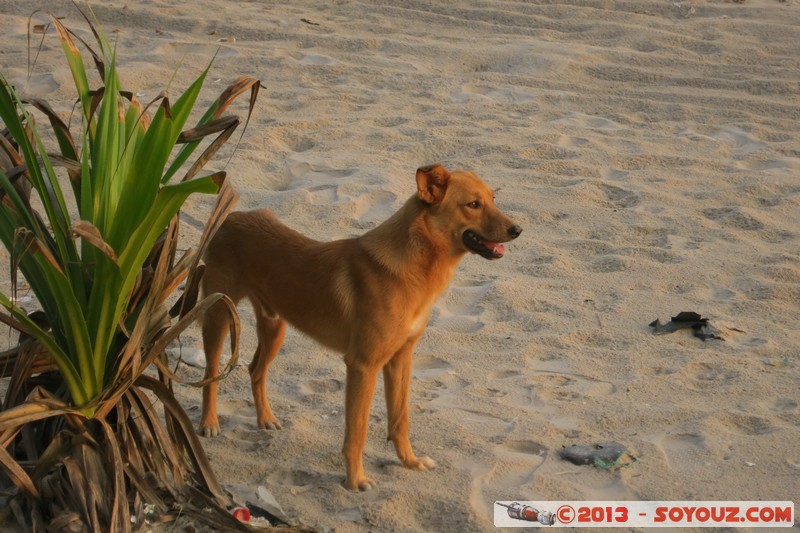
[(241, 513)]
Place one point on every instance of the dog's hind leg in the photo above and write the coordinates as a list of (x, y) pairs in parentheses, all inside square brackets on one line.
[(216, 324), (397, 381), (271, 330)]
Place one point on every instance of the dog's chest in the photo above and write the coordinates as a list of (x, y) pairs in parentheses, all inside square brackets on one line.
[(418, 321)]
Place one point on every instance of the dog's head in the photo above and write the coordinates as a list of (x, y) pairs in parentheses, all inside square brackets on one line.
[(462, 207)]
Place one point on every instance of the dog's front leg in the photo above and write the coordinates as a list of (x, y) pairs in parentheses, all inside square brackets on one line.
[(397, 382), (360, 387)]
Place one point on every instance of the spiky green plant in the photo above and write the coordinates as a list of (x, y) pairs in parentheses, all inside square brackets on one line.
[(102, 275)]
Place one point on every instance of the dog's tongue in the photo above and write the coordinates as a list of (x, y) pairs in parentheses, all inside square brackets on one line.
[(495, 247)]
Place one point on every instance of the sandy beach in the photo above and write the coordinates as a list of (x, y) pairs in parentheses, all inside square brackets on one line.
[(649, 149)]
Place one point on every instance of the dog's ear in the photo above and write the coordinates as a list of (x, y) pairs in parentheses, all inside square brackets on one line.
[(432, 183)]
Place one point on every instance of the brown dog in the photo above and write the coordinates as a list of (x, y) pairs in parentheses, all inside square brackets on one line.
[(367, 297)]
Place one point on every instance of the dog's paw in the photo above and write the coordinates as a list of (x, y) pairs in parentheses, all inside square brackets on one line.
[(421, 463), (209, 430), (209, 426), (362, 485), (270, 424)]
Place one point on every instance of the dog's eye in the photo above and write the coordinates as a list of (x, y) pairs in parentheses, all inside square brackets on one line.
[(474, 205)]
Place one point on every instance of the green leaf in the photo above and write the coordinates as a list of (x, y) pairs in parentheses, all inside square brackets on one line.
[(107, 146), (46, 183), (61, 359), (76, 67), (106, 305)]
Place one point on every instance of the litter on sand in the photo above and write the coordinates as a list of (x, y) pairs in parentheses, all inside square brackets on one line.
[(606, 455), (685, 320)]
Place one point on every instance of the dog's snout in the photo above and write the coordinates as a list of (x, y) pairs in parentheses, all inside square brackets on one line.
[(514, 231)]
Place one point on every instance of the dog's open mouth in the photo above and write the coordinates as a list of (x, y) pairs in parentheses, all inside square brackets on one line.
[(482, 247)]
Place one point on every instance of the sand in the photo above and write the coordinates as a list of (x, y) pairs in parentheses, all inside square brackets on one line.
[(651, 151)]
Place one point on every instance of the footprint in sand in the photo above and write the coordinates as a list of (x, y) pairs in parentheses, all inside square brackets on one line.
[(609, 302), (459, 310), (237, 422), (513, 468), (734, 217), (618, 197), (704, 376), (294, 478), (391, 122), (740, 141), (290, 140), (590, 122), (504, 374), (40, 85), (305, 172), (302, 58), (316, 182), (428, 366), (569, 142), (683, 452), (501, 95), (776, 165), (743, 424), (607, 195), (175, 49), (436, 383), (608, 263), (784, 410), (320, 386), (374, 206), (615, 174), (569, 386), (517, 461)]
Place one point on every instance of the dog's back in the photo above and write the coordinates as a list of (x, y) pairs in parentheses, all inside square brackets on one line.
[(254, 255)]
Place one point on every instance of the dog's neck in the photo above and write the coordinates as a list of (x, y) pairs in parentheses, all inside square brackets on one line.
[(407, 245)]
